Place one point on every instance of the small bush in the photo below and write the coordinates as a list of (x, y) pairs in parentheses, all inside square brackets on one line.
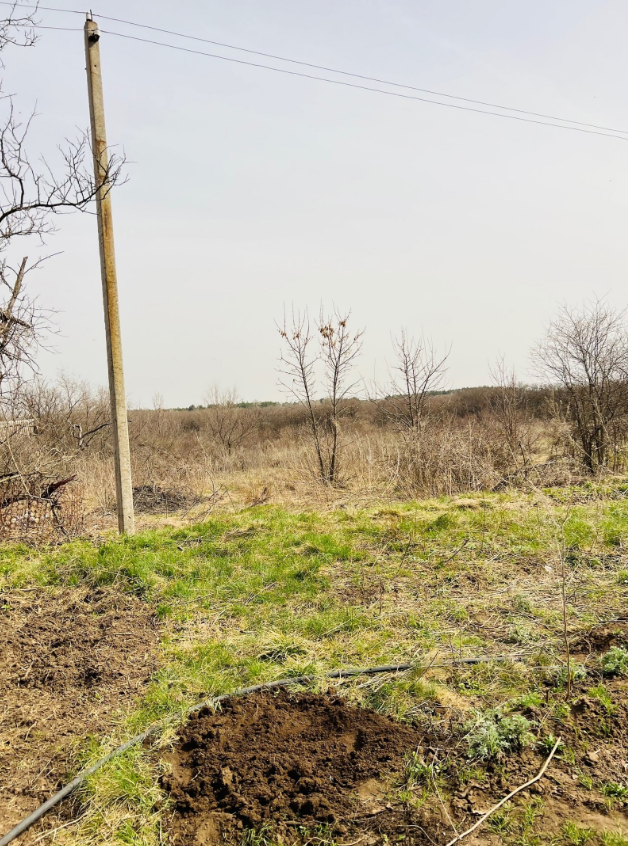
[(577, 835), (615, 662), (522, 603), (578, 673), (529, 700), (602, 695), (490, 735), (416, 770), (546, 744), (585, 780), (262, 837), (614, 790), (613, 838)]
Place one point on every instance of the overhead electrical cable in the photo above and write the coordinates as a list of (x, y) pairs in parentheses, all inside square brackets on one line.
[(364, 87), (361, 76), (39, 7), (555, 121), (58, 28)]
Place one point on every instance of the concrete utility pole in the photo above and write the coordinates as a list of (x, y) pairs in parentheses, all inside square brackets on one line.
[(119, 423)]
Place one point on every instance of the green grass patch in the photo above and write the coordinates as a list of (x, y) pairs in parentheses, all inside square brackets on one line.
[(268, 593)]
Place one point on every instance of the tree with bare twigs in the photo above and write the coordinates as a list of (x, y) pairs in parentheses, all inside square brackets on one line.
[(229, 424), (585, 353), (403, 402), (509, 407), (31, 196), (297, 362), (417, 371), (22, 325), (334, 359)]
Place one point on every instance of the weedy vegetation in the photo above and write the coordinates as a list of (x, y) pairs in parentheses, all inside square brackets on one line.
[(478, 535), (615, 662), (268, 592), (491, 735)]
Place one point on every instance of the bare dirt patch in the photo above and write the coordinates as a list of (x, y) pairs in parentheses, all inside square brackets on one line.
[(69, 661), (601, 638), (290, 760), (304, 768)]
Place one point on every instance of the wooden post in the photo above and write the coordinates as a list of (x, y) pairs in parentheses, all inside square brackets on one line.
[(119, 422)]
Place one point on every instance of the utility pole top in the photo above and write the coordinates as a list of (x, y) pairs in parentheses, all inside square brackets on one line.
[(92, 32)]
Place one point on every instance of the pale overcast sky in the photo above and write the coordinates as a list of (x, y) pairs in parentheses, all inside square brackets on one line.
[(250, 190)]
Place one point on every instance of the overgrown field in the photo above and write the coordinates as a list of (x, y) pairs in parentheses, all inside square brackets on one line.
[(519, 580)]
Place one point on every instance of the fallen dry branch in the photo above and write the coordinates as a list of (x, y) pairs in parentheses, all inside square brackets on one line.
[(503, 801)]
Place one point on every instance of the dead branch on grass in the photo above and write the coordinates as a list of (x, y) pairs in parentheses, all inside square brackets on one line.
[(503, 801)]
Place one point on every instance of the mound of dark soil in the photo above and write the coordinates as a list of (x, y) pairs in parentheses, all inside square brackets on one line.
[(68, 662), (294, 759), (601, 638), (308, 769)]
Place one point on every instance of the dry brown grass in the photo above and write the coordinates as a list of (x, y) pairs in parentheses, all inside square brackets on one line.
[(198, 460)]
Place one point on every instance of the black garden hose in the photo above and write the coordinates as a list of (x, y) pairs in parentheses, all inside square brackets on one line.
[(21, 827)]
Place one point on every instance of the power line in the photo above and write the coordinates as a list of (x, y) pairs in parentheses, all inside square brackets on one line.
[(558, 122), (57, 28), (488, 104), (43, 8), (360, 76), (362, 87)]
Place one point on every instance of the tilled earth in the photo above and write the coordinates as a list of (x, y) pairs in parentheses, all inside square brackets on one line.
[(281, 759), (69, 661), (311, 769)]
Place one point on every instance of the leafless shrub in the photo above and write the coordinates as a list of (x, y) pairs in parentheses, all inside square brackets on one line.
[(40, 447), (519, 434), (585, 352), (228, 424), (417, 372), (336, 356), (451, 456)]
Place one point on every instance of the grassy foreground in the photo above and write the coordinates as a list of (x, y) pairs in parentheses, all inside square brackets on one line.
[(266, 593)]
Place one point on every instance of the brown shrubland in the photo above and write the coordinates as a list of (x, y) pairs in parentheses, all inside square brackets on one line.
[(469, 440), (408, 439)]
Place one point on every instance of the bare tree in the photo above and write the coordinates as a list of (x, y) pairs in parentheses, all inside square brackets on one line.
[(29, 200), (336, 356), (18, 28), (22, 325), (417, 371), (32, 194), (509, 407), (585, 352), (85, 413), (297, 363), (340, 347), (228, 423)]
